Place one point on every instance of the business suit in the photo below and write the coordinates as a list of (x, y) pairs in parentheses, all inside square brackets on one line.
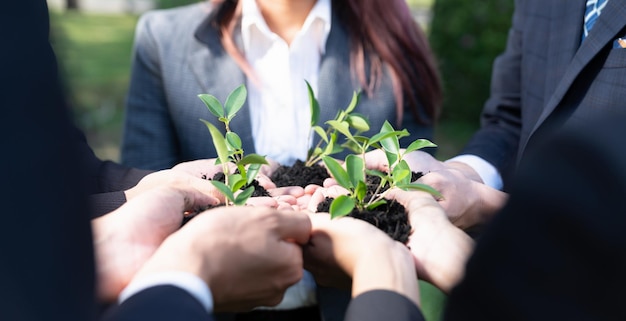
[(178, 55), (546, 78), (557, 251)]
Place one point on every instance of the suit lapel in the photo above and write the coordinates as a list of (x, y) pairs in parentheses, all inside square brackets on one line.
[(606, 29), (218, 74)]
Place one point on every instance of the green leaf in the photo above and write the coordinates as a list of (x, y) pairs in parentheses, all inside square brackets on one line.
[(235, 101), (375, 172), (355, 101), (320, 131), (419, 144), (341, 206), (338, 173), (224, 190), (213, 104), (390, 143), (252, 172), (243, 197), (380, 136), (419, 187), (253, 159), (392, 158), (233, 140), (235, 182), (314, 105), (358, 122), (400, 175), (376, 204), (360, 191), (218, 141), (355, 166), (342, 127)]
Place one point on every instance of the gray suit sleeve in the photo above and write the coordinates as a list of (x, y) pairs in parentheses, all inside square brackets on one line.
[(382, 305), (149, 140)]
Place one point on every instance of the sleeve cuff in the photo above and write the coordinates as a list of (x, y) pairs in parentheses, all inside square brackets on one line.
[(487, 172), (186, 281)]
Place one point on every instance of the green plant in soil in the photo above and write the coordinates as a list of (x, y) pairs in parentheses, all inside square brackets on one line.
[(327, 145), (353, 177), (229, 148)]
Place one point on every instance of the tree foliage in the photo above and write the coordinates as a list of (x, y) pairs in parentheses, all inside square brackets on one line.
[(466, 37)]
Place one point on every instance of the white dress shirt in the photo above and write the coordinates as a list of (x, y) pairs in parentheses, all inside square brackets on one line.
[(279, 105)]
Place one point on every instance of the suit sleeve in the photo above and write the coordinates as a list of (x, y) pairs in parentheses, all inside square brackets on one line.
[(149, 140), (498, 138), (382, 305), (557, 250), (158, 303)]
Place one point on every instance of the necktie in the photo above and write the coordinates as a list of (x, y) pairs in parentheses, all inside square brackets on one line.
[(592, 12)]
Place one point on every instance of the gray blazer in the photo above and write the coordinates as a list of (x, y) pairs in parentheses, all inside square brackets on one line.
[(178, 55), (547, 78)]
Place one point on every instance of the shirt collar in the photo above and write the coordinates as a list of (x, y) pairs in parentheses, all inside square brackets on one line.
[(251, 17)]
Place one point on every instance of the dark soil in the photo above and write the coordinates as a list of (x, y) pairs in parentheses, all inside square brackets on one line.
[(390, 218), (299, 175), (258, 191)]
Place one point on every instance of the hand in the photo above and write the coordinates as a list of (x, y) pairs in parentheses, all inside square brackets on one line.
[(440, 249), (346, 248), (125, 238), (466, 200), (175, 178), (248, 256)]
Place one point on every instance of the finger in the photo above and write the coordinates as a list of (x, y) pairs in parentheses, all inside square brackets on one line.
[(295, 191), (329, 182), (264, 201), (311, 188), (265, 181), (303, 202), (286, 199), (294, 225)]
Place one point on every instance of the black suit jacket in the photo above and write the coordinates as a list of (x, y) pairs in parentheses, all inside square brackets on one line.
[(547, 77), (557, 251)]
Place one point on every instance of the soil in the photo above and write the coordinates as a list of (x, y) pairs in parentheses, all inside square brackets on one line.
[(258, 191), (299, 175)]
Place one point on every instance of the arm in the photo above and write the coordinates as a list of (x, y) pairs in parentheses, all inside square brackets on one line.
[(149, 140), (498, 139)]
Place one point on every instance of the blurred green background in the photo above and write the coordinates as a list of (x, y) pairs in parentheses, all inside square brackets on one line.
[(94, 52)]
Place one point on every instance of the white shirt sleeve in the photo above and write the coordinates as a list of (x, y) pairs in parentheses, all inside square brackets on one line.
[(487, 172), (186, 281)]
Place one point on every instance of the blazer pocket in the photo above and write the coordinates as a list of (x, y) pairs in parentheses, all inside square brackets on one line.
[(616, 58)]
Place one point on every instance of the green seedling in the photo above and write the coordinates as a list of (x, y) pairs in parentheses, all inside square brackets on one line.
[(327, 145), (229, 148), (353, 176)]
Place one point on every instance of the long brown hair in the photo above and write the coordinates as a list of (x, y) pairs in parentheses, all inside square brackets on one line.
[(385, 32)]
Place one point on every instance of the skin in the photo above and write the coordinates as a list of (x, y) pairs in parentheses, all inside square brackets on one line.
[(268, 257), (285, 17), (362, 253), (466, 200), (126, 238)]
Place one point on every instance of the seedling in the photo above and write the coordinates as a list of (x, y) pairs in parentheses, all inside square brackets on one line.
[(229, 148), (353, 177), (327, 145)]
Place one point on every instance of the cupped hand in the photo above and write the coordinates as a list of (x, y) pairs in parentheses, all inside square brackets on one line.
[(248, 256), (126, 238), (175, 178), (440, 249)]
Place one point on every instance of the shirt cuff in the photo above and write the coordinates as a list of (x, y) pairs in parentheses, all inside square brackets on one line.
[(487, 172), (184, 280), (299, 295)]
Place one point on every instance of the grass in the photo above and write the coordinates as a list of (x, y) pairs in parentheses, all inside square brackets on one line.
[(94, 55)]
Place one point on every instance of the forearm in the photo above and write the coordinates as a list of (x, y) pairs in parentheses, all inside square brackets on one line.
[(385, 268)]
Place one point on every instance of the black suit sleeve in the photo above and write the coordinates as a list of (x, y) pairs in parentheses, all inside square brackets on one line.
[(382, 305), (164, 302), (557, 251)]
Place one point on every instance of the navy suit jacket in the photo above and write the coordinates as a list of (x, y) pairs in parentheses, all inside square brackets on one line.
[(178, 55), (546, 77)]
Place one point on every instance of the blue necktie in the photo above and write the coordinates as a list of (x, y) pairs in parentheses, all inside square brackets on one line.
[(592, 12)]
